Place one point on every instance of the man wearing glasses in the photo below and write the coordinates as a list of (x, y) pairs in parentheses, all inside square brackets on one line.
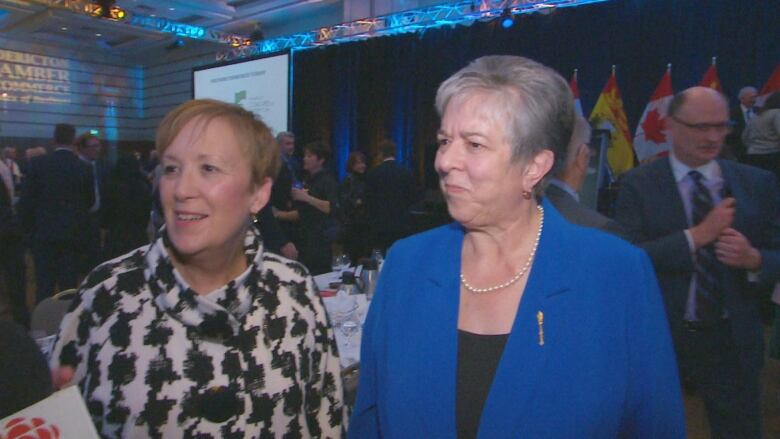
[(711, 229)]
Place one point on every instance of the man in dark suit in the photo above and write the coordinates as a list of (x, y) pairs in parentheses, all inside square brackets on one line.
[(89, 147), (56, 197), (563, 187), (740, 115), (281, 196), (390, 192), (711, 229)]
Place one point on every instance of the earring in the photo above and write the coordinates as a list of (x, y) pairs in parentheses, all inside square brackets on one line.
[(254, 218), (527, 195)]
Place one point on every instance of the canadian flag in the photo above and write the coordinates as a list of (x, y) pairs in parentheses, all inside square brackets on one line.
[(711, 78), (652, 137), (772, 85), (575, 90)]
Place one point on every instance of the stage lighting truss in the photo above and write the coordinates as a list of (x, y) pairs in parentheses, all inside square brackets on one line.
[(92, 8), (456, 13)]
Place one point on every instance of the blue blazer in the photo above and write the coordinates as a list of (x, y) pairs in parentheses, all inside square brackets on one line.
[(606, 368), (650, 207)]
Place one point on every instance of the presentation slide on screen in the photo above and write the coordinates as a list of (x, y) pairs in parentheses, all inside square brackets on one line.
[(260, 86)]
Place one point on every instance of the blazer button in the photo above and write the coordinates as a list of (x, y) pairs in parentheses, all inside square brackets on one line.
[(218, 404)]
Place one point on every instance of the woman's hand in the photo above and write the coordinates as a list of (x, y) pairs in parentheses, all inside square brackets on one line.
[(61, 377)]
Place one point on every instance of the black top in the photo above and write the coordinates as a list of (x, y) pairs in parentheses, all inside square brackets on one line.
[(314, 221), (478, 357)]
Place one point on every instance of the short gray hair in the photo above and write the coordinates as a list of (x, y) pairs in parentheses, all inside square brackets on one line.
[(284, 134), (579, 136), (745, 90), (535, 102)]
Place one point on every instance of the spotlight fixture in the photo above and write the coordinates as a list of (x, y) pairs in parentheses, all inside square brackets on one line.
[(106, 9), (506, 19)]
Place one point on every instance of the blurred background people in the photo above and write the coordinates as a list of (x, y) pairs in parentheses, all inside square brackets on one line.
[(762, 136), (740, 115), (11, 161), (57, 195), (315, 205), (567, 181), (210, 335), (282, 204), (128, 201), (89, 148), (390, 193), (352, 201)]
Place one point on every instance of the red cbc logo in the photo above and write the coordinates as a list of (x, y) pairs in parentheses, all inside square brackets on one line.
[(33, 428)]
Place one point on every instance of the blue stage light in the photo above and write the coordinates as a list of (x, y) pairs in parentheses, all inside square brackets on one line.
[(507, 20)]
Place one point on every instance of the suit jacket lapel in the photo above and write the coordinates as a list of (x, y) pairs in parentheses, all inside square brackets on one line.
[(672, 214), (524, 356), (439, 340), (732, 187)]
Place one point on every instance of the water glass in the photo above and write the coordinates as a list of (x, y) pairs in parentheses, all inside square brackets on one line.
[(349, 327), (340, 263)]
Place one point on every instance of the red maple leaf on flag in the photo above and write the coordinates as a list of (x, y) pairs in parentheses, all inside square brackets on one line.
[(653, 126)]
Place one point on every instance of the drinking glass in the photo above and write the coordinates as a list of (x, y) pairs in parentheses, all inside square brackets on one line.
[(349, 327), (340, 263), (377, 256)]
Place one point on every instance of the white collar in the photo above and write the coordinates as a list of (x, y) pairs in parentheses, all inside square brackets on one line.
[(709, 170), (565, 187)]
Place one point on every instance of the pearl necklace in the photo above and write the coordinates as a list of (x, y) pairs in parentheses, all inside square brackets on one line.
[(520, 273)]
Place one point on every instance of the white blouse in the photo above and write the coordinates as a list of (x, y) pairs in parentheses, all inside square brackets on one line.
[(255, 358)]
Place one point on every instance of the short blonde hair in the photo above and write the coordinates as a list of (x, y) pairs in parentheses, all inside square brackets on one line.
[(253, 136)]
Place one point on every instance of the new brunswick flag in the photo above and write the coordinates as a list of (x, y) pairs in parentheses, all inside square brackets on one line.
[(608, 114), (710, 78)]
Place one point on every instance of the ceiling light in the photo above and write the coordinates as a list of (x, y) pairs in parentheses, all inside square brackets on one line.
[(64, 28), (506, 19), (171, 9), (98, 34)]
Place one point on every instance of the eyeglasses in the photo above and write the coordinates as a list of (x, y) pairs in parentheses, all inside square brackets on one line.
[(722, 127)]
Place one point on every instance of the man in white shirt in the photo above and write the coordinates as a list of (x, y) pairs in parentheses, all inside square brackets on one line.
[(712, 235), (740, 116)]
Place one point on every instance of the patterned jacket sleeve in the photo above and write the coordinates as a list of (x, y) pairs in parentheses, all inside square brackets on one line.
[(71, 348), (328, 412)]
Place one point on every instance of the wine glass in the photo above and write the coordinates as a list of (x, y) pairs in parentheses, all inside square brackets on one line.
[(349, 327), (340, 263), (376, 255)]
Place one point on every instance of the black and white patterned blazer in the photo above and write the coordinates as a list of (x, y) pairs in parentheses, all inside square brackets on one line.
[(255, 358)]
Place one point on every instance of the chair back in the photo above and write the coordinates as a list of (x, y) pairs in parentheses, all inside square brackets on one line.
[(48, 314)]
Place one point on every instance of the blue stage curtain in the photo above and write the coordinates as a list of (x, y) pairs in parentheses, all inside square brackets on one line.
[(356, 94)]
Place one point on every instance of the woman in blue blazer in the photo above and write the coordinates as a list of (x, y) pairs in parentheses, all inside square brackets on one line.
[(512, 322)]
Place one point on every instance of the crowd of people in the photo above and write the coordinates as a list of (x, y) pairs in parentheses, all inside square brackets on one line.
[(529, 315)]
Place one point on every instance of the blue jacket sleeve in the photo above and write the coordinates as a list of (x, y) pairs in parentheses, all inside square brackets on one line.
[(654, 401), (364, 423)]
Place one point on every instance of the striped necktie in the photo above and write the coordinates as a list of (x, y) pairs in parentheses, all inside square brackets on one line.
[(708, 295)]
